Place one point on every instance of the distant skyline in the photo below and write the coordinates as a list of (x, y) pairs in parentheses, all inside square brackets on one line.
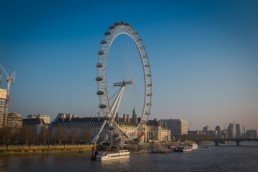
[(203, 56)]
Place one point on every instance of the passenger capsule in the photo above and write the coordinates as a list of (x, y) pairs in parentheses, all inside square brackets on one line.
[(149, 85), (107, 33), (100, 52), (149, 94), (127, 24), (148, 75), (148, 104), (144, 56), (100, 92), (99, 78), (147, 65), (112, 27), (139, 39), (102, 106), (103, 42), (98, 65)]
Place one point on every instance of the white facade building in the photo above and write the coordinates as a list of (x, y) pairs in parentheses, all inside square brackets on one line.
[(178, 127), (44, 117)]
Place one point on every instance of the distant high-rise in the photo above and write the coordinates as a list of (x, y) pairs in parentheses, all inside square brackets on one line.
[(234, 130), (14, 120), (205, 129), (238, 131), (231, 130), (218, 131), (2, 106)]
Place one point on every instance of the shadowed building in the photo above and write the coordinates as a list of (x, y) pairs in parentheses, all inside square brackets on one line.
[(34, 124), (218, 131), (251, 134), (44, 117), (69, 126), (238, 131)]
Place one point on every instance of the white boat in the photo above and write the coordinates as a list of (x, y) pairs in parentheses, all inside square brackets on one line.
[(194, 146), (183, 148), (112, 155)]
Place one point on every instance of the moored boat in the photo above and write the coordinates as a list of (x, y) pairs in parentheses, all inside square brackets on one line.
[(112, 155), (194, 146), (183, 148)]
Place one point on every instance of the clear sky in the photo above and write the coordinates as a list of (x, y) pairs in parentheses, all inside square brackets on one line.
[(203, 56)]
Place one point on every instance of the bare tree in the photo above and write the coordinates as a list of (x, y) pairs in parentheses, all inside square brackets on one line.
[(6, 136), (60, 135), (28, 135), (73, 135), (85, 136), (45, 135)]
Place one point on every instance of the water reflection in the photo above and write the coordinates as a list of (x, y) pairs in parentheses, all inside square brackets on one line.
[(1, 164), (213, 158), (114, 162)]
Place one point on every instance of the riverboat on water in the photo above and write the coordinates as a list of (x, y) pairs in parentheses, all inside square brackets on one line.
[(111, 155), (183, 148), (186, 147), (194, 146)]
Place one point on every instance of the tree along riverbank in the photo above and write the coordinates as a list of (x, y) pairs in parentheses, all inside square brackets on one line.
[(45, 149)]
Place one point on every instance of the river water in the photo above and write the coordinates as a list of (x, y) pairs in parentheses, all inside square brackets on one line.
[(214, 158)]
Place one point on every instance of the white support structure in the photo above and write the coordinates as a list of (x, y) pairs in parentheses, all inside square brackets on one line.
[(114, 108), (95, 139), (115, 30)]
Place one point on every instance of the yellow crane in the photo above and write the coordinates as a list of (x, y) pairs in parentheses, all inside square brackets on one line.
[(10, 79)]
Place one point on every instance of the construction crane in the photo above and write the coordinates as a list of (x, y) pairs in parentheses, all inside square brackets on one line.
[(10, 80)]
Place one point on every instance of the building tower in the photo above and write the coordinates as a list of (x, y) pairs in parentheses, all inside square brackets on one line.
[(134, 118), (2, 106)]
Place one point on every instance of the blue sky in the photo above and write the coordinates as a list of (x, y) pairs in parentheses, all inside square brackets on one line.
[(203, 56)]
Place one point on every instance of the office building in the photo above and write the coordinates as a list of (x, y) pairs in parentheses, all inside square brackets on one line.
[(14, 120), (234, 130), (178, 127), (251, 134), (44, 117), (238, 131), (3, 93)]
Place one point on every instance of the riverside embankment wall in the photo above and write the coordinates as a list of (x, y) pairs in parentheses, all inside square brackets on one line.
[(45, 149)]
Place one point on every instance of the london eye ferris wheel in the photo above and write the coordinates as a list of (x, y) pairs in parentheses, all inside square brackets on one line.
[(110, 109)]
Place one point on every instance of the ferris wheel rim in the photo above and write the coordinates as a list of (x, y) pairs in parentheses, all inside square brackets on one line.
[(114, 31)]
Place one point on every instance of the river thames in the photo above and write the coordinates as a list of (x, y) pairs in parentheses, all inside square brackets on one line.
[(214, 158)]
